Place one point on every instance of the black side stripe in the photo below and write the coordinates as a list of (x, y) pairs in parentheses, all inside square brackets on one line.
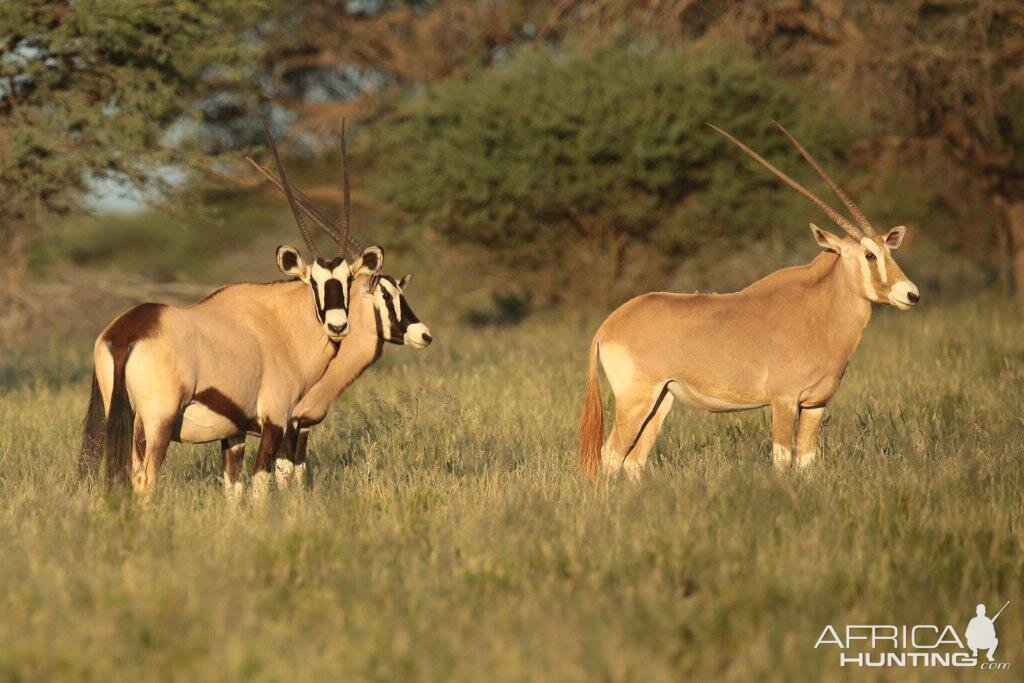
[(650, 416)]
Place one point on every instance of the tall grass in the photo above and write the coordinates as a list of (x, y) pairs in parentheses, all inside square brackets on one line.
[(449, 535)]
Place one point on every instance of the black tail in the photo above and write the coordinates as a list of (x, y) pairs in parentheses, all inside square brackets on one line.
[(120, 424), (92, 433)]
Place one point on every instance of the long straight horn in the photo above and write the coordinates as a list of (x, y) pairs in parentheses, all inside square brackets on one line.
[(839, 219), (854, 210), (332, 229), (288, 193), (346, 221)]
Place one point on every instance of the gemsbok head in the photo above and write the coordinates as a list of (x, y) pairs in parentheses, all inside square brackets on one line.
[(784, 342), (881, 279), (239, 360)]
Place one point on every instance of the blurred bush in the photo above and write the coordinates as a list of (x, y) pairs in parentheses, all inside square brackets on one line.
[(560, 163)]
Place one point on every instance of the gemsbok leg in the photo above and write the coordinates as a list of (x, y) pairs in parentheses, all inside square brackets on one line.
[(290, 466), (284, 464), (271, 438), (302, 476), (158, 432), (807, 435), (783, 423), (138, 448), (635, 409), (233, 456), (636, 459)]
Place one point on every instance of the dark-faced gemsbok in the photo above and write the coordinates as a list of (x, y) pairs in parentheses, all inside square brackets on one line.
[(782, 342), (378, 312), (242, 358)]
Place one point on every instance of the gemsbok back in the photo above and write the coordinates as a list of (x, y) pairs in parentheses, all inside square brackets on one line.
[(378, 313), (782, 342), (241, 358)]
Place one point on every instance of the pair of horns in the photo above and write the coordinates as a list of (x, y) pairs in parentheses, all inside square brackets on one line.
[(865, 229), (299, 202)]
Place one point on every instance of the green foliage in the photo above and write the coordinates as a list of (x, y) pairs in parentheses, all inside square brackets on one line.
[(553, 150), (89, 87)]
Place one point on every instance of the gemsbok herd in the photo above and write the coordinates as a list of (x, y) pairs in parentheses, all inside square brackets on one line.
[(269, 359)]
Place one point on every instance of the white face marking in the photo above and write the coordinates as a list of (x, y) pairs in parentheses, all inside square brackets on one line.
[(417, 335), (900, 293), (396, 298), (320, 276), (879, 253), (334, 318), (865, 269), (342, 274)]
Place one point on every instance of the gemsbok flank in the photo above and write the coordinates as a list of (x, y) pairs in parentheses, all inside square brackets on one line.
[(241, 358), (782, 342), (378, 313)]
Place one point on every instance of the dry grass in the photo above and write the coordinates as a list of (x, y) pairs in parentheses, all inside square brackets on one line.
[(449, 535)]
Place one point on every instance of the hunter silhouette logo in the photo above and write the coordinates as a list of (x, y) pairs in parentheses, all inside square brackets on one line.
[(922, 645), (981, 632)]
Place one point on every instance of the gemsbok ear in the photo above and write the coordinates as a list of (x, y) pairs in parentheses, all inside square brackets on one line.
[(404, 282), (826, 240), (369, 262), (895, 237), (291, 264)]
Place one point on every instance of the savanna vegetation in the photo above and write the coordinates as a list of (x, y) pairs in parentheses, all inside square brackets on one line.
[(449, 535), (532, 164)]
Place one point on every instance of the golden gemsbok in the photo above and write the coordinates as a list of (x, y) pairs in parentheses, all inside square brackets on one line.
[(782, 342), (241, 358)]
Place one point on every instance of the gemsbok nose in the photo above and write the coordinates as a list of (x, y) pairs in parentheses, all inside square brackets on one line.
[(338, 330), (914, 297)]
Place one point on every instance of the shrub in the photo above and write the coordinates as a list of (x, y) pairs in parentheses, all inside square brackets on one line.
[(557, 154)]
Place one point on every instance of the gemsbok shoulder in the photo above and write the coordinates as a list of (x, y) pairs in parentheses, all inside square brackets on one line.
[(783, 342), (378, 313), (241, 358)]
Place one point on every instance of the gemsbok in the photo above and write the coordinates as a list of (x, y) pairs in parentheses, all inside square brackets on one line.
[(784, 342), (241, 358), (378, 312)]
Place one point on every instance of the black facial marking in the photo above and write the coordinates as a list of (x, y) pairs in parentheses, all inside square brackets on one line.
[(408, 317), (370, 260), (334, 294), (317, 304), (337, 261)]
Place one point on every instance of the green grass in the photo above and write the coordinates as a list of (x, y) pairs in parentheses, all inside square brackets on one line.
[(449, 535)]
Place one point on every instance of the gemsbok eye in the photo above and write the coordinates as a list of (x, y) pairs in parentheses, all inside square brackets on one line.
[(387, 296), (869, 256)]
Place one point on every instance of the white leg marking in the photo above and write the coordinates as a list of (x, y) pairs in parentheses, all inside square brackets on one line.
[(302, 476), (781, 457), (611, 461), (284, 470), (260, 486), (232, 490), (633, 470), (805, 459)]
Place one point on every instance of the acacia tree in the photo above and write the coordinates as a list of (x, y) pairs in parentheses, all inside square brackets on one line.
[(957, 68), (87, 89)]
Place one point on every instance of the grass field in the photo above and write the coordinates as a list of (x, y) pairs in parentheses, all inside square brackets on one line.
[(449, 534)]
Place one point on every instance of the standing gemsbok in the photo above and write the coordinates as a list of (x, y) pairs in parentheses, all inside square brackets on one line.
[(378, 312), (242, 357), (782, 342)]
